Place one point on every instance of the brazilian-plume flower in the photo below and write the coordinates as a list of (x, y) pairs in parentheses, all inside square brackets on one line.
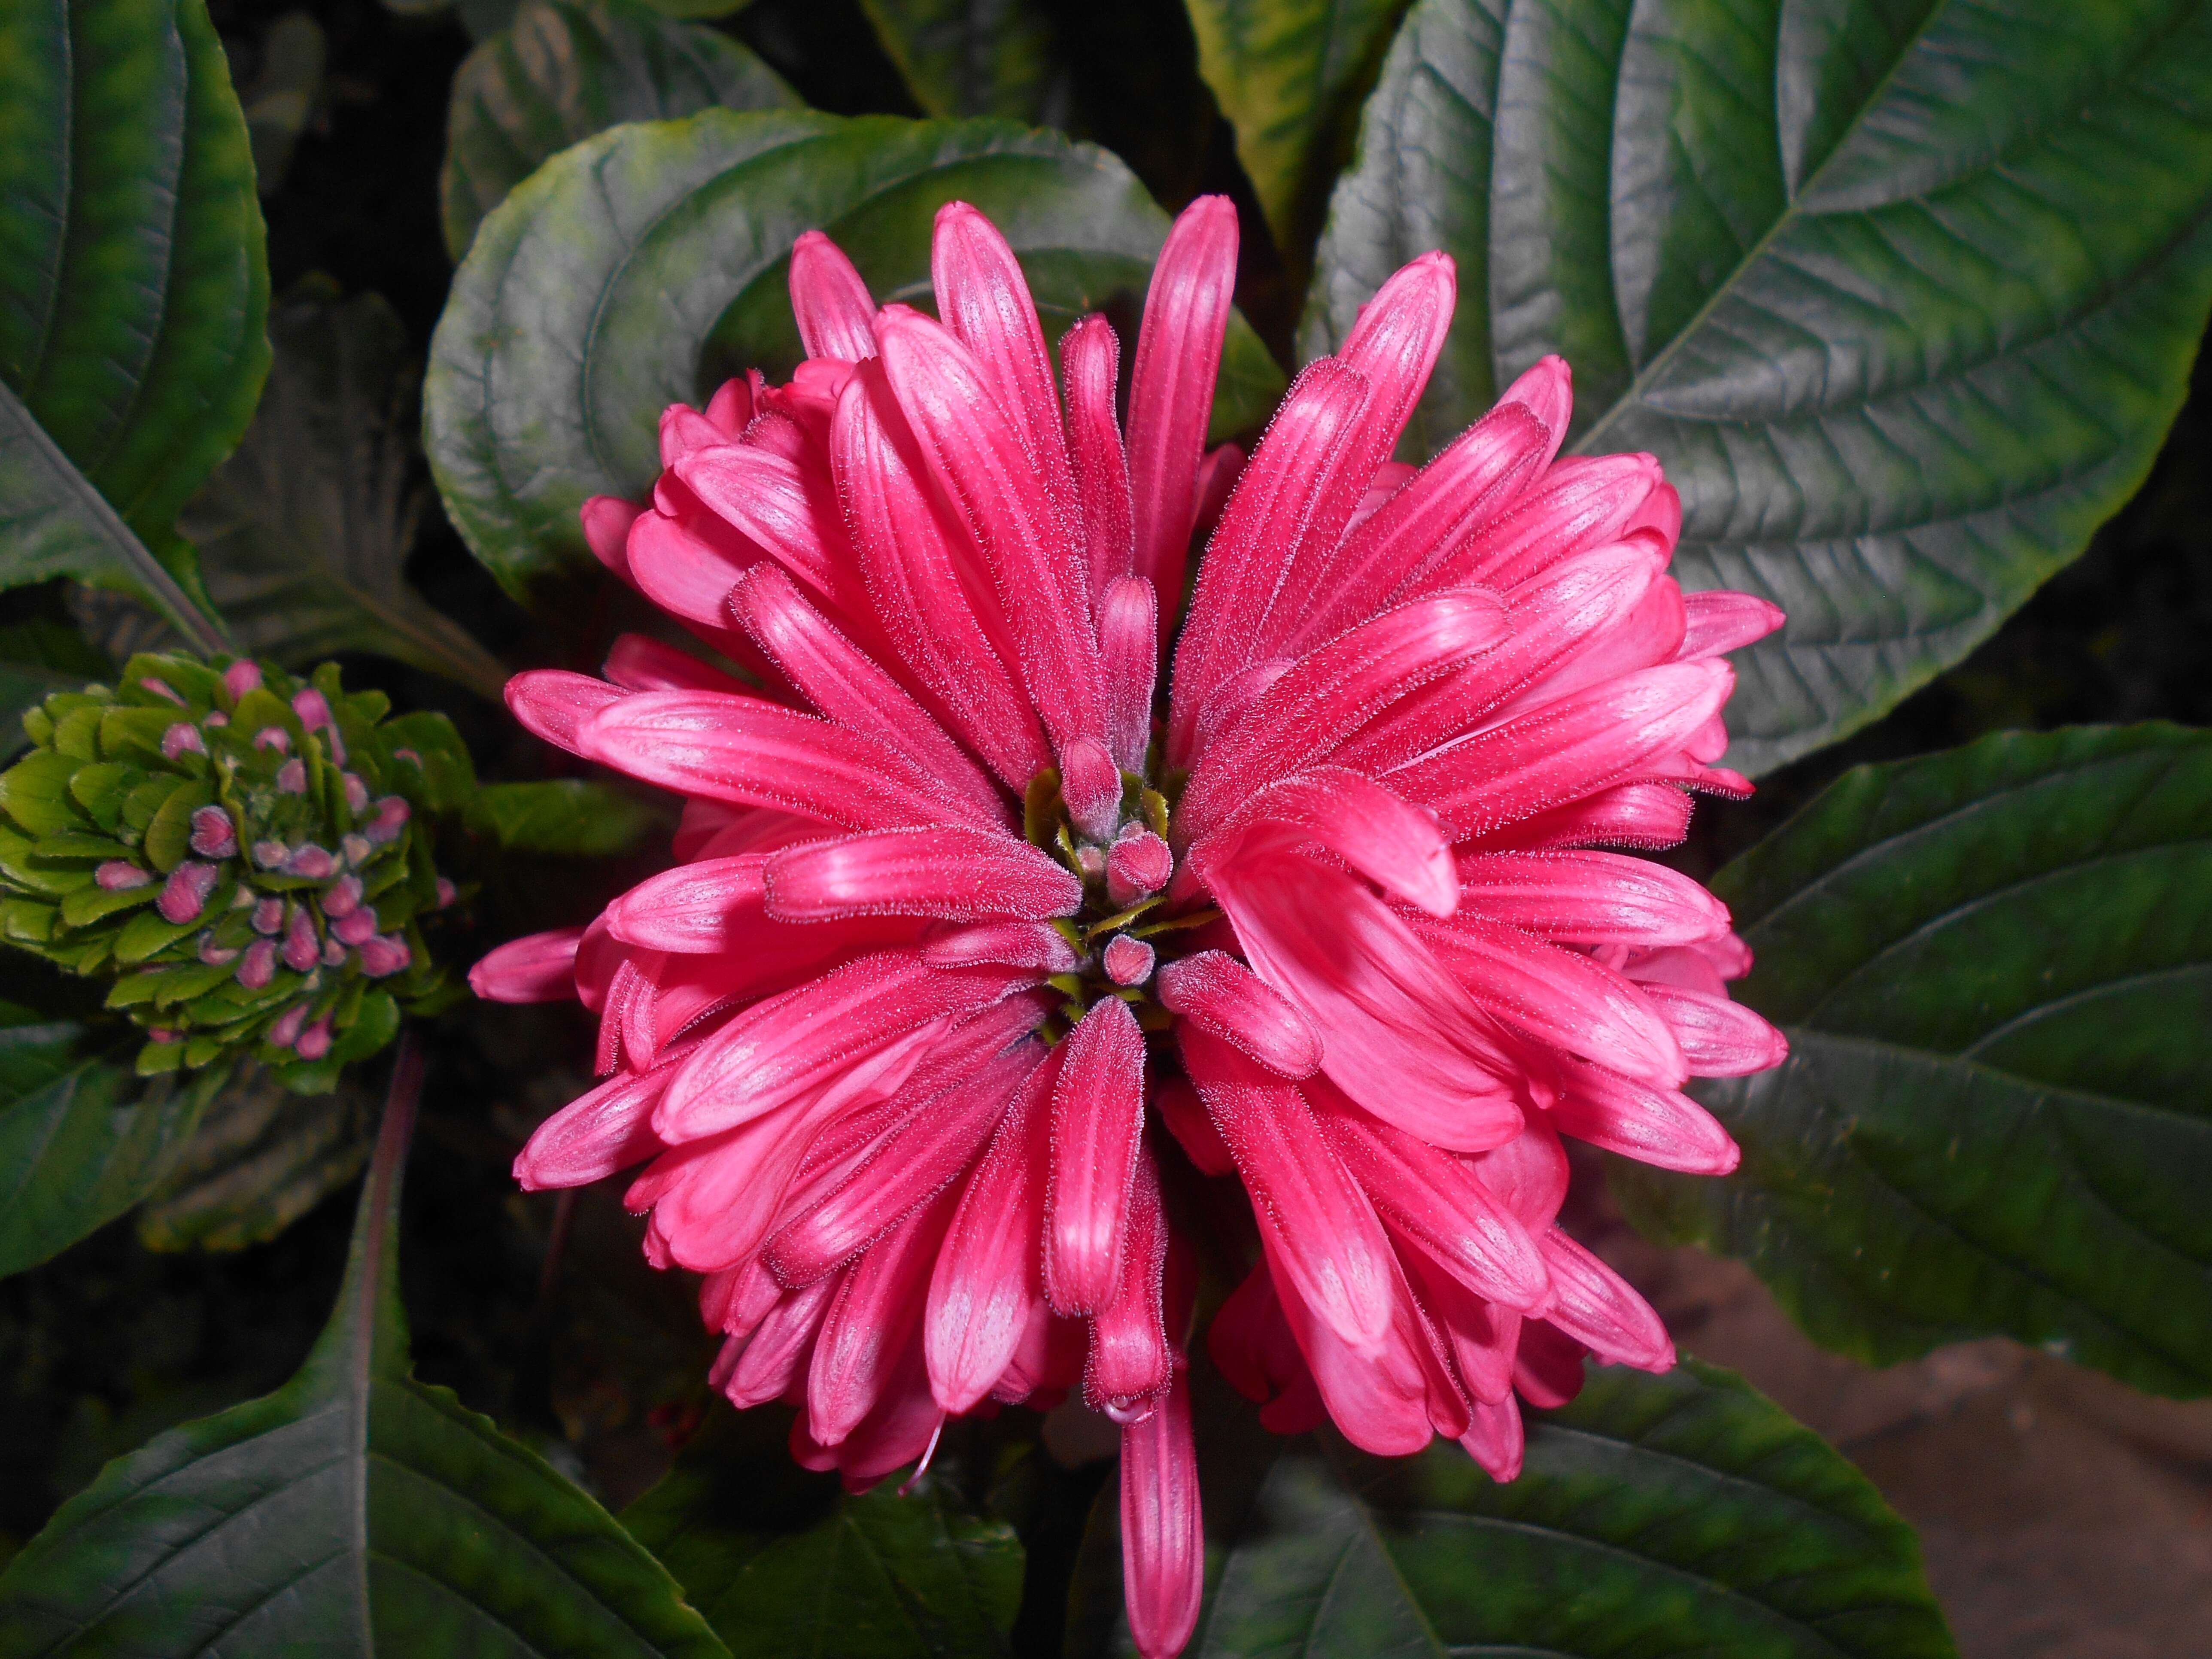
[(995, 973)]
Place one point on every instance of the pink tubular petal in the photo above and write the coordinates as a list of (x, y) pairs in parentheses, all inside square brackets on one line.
[(1378, 1395), (552, 703), (779, 506), (778, 1049), (1395, 845), (1139, 863), (1494, 1438), (1323, 698), (914, 583), (1480, 1335), (1658, 1126), (984, 300), (1184, 1114), (1097, 1114), (1128, 646), (1435, 1200), (682, 429), (1600, 1308), (1572, 748), (639, 664), (687, 574), (1220, 995), (1398, 1034), (1332, 1246), (1171, 389), (962, 875), (731, 408), (755, 754), (931, 1150), (988, 1281), (606, 520), (1719, 622), (1718, 1038), (1090, 785), (1581, 502), (1647, 816), (538, 968), (595, 1135), (1163, 1537), (979, 459), (1129, 1364), (695, 908), (1286, 491), (846, 685), (1558, 996), (1032, 945), (1589, 898), (1090, 360), (830, 301), (1128, 961), (869, 1327), (776, 1353)]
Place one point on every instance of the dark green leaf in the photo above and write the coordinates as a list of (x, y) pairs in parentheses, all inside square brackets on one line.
[(1682, 1513), (566, 816), (1995, 968), (787, 1566), (304, 533), (81, 1137), (588, 297), (280, 98), (1904, 292), (1289, 75), (261, 1158), (359, 1511), (38, 657), (133, 288), (977, 57), (564, 71)]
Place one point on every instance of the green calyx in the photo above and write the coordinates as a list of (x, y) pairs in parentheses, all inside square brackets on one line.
[(245, 855)]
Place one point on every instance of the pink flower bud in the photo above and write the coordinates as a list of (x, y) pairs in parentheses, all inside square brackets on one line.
[(292, 777), (314, 713), (1129, 961), (312, 861), (334, 954), (273, 737), (1138, 865), (286, 1032), (383, 956), (118, 875), (270, 853), (214, 837), (258, 966), (216, 717), (391, 812), (315, 1041), (302, 949), (355, 850), (241, 678), (162, 688), (268, 916), (214, 955), (356, 927), (185, 893), (446, 892), (356, 793), (183, 738), (1090, 784), (343, 898)]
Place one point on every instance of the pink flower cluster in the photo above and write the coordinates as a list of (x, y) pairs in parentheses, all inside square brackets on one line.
[(990, 982)]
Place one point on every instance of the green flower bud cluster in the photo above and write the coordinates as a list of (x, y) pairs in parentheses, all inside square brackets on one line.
[(245, 855)]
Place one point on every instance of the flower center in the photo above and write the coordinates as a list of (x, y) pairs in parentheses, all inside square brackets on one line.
[(1109, 827)]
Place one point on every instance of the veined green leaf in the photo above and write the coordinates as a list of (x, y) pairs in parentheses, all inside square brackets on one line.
[(564, 70), (1656, 1514), (638, 268), (565, 816), (360, 1511), (977, 57), (1995, 969), (1904, 292), (133, 289)]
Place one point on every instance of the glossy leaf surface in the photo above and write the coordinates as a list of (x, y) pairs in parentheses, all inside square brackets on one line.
[(652, 262), (564, 816), (787, 1566), (1904, 292), (562, 71), (1995, 968), (977, 57), (358, 1511), (133, 288), (1656, 1514)]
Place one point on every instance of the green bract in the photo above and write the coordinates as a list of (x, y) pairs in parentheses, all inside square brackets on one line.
[(240, 852)]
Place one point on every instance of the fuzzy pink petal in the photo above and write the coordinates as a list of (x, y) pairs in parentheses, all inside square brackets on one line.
[(1721, 622), (1718, 1038), (830, 301), (1091, 359), (781, 508), (1658, 1126), (776, 1353), (869, 1326), (962, 875), (1171, 389), (1589, 898), (1397, 846), (593, 1136), (1163, 1537), (984, 300), (538, 968), (1220, 995), (1333, 1248), (606, 520), (553, 703), (1128, 634), (1130, 1362), (1647, 816), (1600, 1308), (1494, 1438), (1033, 945), (980, 462), (988, 1281), (1097, 1113), (639, 664)]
